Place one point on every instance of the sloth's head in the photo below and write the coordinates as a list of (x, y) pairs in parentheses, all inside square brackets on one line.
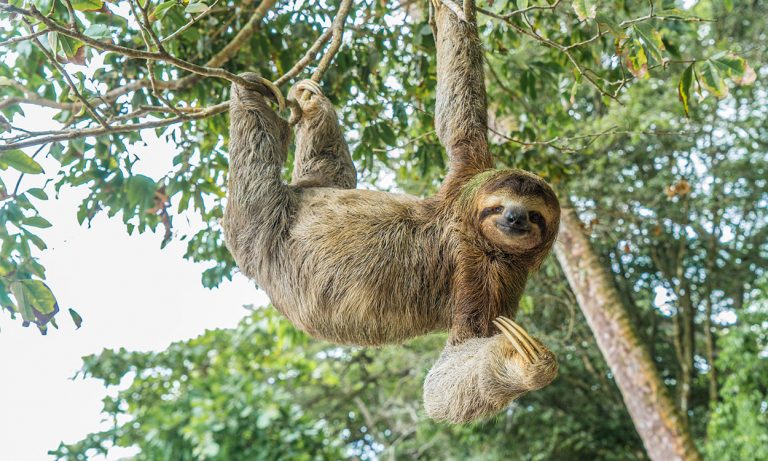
[(516, 212)]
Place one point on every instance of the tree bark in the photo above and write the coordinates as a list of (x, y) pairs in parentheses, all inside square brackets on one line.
[(663, 431)]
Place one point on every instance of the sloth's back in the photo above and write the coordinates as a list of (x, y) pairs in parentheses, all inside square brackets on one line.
[(364, 267)]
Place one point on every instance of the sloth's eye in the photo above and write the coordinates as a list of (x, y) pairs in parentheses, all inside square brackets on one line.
[(535, 216), (490, 211)]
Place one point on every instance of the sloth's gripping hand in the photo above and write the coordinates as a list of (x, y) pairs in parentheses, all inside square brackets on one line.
[(528, 364), (481, 376), (309, 101), (262, 88)]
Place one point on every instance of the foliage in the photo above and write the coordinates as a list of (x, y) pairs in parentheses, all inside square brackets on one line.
[(640, 113), (265, 391), (557, 65), (737, 428)]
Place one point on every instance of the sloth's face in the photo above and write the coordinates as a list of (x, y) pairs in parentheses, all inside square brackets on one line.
[(518, 212), (514, 223)]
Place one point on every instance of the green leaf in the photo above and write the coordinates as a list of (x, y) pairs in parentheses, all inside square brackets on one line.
[(734, 67), (98, 31), (37, 193), (76, 318), (33, 294), (585, 9), (141, 191), (87, 5), (638, 63), (526, 304), (161, 10), (196, 8), (6, 267), (19, 161), (611, 25), (684, 87), (650, 38), (712, 79), (37, 221)]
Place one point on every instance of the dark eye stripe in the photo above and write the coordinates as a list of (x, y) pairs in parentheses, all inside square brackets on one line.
[(536, 217), (490, 211)]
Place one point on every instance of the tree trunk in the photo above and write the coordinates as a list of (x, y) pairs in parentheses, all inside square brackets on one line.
[(664, 434)]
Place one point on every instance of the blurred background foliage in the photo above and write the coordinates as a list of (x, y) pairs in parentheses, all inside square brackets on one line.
[(636, 111)]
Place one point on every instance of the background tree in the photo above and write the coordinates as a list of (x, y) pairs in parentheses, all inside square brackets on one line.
[(583, 93)]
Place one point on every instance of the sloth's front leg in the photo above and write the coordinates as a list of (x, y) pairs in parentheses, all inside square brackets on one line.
[(481, 376)]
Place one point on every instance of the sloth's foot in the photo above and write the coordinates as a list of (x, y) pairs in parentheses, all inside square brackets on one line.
[(531, 365), (261, 86), (309, 98)]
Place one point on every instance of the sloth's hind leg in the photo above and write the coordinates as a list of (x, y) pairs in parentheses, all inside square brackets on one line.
[(481, 376), (322, 155)]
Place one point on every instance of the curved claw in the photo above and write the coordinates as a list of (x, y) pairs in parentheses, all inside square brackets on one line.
[(276, 91), (524, 334), (514, 341), (253, 78)]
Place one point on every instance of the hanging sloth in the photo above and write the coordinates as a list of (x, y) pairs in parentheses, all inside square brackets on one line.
[(369, 268)]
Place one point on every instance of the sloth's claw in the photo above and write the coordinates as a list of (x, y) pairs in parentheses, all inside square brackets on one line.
[(522, 333), (516, 342)]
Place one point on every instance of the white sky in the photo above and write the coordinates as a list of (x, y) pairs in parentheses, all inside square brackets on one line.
[(130, 294)]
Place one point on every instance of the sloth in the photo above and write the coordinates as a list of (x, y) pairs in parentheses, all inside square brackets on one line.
[(368, 267)]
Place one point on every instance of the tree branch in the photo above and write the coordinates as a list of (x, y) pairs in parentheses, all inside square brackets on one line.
[(338, 34), (74, 134)]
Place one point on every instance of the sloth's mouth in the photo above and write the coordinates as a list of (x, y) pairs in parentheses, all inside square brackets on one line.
[(514, 230)]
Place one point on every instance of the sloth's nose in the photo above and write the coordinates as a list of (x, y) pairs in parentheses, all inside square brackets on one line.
[(517, 217)]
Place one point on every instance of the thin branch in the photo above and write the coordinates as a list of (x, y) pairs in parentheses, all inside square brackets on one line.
[(190, 23), (242, 36), (338, 35), (72, 18), (23, 38), (74, 134), (49, 55), (308, 57), (21, 175), (138, 54), (550, 7)]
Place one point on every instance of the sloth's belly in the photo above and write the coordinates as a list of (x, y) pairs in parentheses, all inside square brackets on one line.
[(362, 270)]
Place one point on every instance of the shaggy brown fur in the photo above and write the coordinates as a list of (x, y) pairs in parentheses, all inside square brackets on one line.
[(369, 268)]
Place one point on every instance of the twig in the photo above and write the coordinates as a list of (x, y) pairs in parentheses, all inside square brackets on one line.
[(338, 35), (550, 7), (408, 142), (138, 54), (21, 175), (242, 36), (308, 57), (190, 23), (49, 55), (74, 134), (146, 33), (22, 38), (72, 18)]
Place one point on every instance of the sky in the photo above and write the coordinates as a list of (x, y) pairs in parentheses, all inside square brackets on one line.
[(130, 294)]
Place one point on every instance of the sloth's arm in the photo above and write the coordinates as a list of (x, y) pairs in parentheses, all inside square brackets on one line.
[(481, 376), (258, 146), (461, 112), (322, 154)]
